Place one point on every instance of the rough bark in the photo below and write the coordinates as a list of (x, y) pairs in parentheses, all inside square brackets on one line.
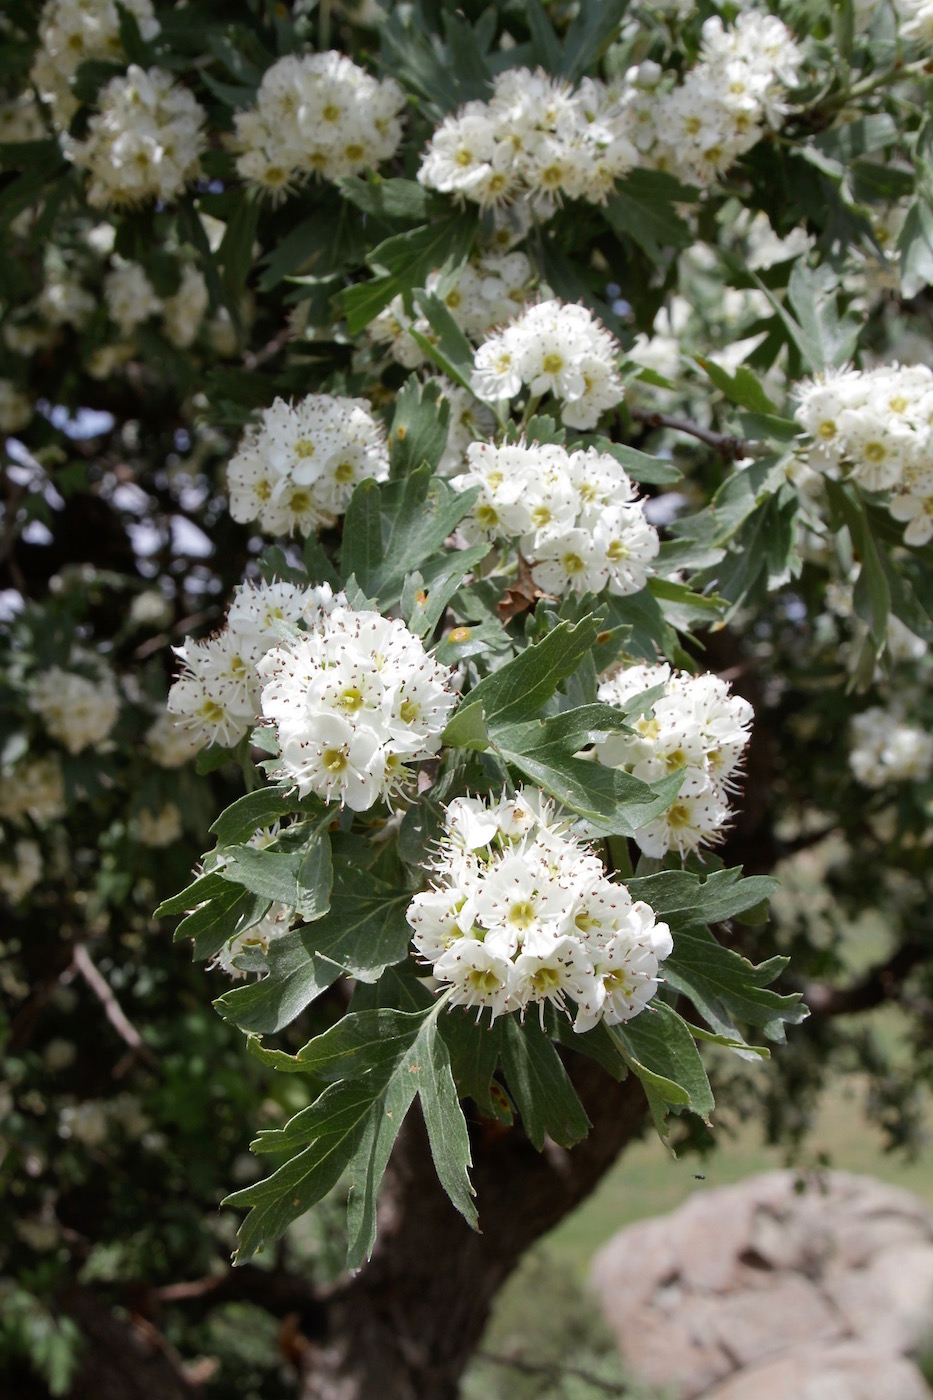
[(405, 1327)]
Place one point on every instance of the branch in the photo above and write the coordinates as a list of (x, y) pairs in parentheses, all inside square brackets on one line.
[(879, 984), (730, 448), (552, 1371), (112, 1008)]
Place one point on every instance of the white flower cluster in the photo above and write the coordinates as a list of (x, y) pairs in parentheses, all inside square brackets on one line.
[(552, 349), (536, 137), (35, 788), (130, 296), (168, 744), (486, 293), (696, 725), (469, 420), (75, 710), (520, 913), (216, 698), (64, 302), (886, 749), (131, 299), (698, 129), (276, 921), (574, 514), (318, 114), (161, 828), (21, 120), (20, 869), (296, 469), (70, 33), (916, 19), (15, 407), (353, 702), (145, 142), (183, 311), (876, 426)]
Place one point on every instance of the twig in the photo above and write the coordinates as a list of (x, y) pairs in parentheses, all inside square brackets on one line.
[(255, 358), (876, 986), (730, 448), (112, 1008), (554, 1371)]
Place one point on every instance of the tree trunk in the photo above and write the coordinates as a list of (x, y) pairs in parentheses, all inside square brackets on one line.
[(406, 1326)]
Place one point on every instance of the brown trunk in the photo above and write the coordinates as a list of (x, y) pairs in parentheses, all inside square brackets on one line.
[(406, 1326)]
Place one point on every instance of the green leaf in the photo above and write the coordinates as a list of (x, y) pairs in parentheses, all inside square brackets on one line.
[(657, 471), (257, 810), (405, 261), (540, 1086), (727, 989), (848, 140), (220, 911), (418, 434), (235, 253), (451, 351), (441, 580), (300, 879), (387, 200), (519, 688), (659, 1048), (392, 529), (915, 245), (545, 49), (872, 593), (381, 1060), (364, 931), (830, 339), (643, 208), (742, 388), (593, 29), (474, 1055), (706, 899)]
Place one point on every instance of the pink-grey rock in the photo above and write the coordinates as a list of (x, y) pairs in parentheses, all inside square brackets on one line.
[(775, 1273), (845, 1371)]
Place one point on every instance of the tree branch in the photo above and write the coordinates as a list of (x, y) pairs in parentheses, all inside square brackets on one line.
[(553, 1372), (112, 1008), (730, 448), (879, 984)]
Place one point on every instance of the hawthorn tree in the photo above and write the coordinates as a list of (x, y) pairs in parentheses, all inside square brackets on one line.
[(474, 462)]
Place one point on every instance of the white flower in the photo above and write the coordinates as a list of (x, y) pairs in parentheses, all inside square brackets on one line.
[(15, 407), (257, 937), (876, 426), (145, 142), (64, 302), (70, 33), (552, 349), (21, 119), (318, 114), (130, 296), (162, 828), (296, 469), (183, 312), (353, 701), (535, 139), (573, 515), (35, 788), (76, 711), (696, 725), (21, 875), (522, 914), (885, 749), (916, 19)]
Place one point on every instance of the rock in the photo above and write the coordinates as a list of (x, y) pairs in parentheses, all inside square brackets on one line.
[(846, 1371), (771, 1279)]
